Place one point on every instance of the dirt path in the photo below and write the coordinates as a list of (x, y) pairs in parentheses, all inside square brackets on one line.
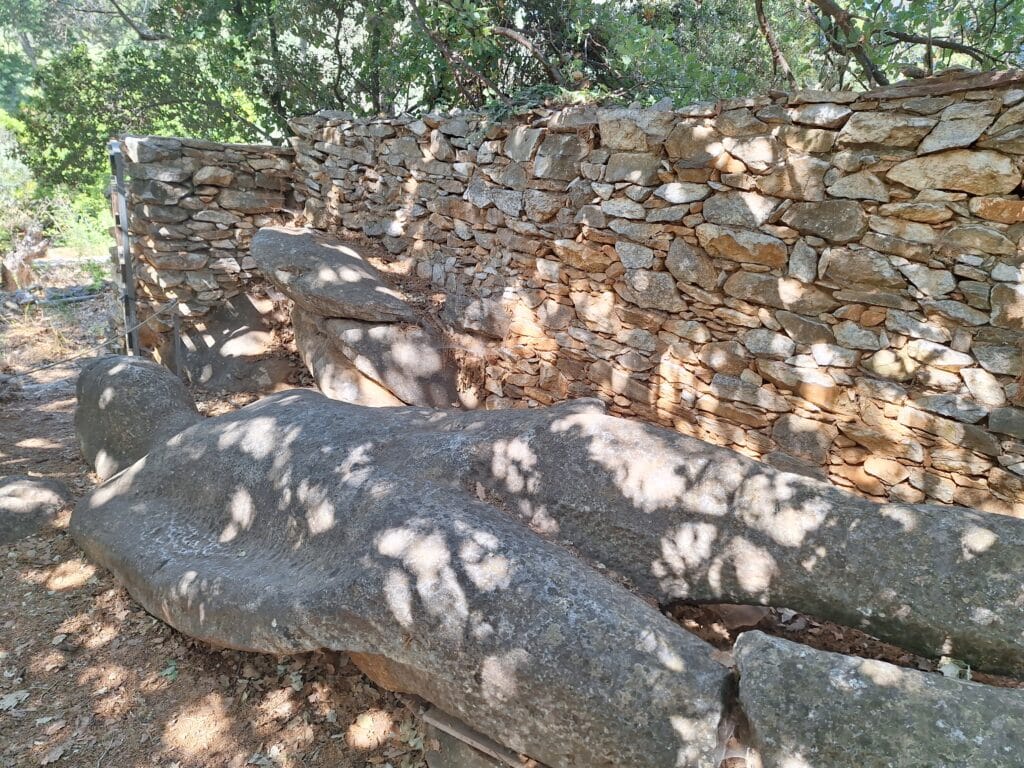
[(90, 679)]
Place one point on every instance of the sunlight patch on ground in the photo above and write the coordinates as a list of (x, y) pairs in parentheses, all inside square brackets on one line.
[(370, 729)]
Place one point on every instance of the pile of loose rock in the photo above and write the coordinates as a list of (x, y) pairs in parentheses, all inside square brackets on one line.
[(428, 544)]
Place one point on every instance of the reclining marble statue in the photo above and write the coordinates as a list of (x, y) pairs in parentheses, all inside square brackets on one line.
[(493, 562)]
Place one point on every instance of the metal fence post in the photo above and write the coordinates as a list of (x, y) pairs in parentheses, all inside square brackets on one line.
[(119, 207)]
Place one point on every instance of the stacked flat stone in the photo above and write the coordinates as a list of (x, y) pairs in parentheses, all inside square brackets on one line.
[(828, 281), (194, 207)]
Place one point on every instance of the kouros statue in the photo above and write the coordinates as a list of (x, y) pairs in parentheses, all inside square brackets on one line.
[(505, 565)]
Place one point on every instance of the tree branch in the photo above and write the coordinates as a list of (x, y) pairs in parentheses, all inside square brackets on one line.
[(455, 61), (841, 18), (553, 71), (778, 57), (145, 34), (939, 42)]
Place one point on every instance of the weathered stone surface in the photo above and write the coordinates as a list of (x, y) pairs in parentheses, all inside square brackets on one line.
[(999, 358), (406, 360), (28, 504), (977, 238), (689, 264), (937, 355), (558, 157), (634, 167), (931, 282), (948, 134), (693, 146), (573, 474), (1007, 421), (984, 387), (904, 323), (757, 153), (803, 262), (335, 375), (1005, 210), (815, 708), (804, 438), (977, 172), (621, 207), (311, 533), (652, 290), (761, 342), (678, 192), (740, 209), (846, 267), (821, 115), (898, 365), (966, 435), (742, 245), (953, 406), (1008, 306), (812, 385), (734, 388), (888, 440), (581, 256), (838, 221), (211, 174), (801, 178), (634, 256), (886, 128), (126, 407), (849, 334), (250, 201), (863, 185), (521, 143), (781, 293), (325, 277)]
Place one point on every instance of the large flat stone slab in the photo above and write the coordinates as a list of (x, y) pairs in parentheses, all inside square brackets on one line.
[(684, 520), (407, 360), (326, 277), (335, 375), (290, 525), (816, 709)]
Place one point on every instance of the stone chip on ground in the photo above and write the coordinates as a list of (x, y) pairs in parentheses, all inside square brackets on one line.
[(817, 709), (27, 504)]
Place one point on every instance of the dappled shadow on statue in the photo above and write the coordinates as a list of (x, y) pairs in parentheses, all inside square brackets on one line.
[(397, 533)]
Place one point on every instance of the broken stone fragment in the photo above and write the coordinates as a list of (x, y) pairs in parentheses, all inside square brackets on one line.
[(406, 360), (827, 710), (326, 277), (28, 504), (335, 375)]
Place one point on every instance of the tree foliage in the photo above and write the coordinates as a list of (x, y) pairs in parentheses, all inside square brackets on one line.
[(79, 73)]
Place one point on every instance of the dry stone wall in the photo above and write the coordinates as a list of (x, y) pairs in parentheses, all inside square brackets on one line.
[(194, 207), (831, 282)]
